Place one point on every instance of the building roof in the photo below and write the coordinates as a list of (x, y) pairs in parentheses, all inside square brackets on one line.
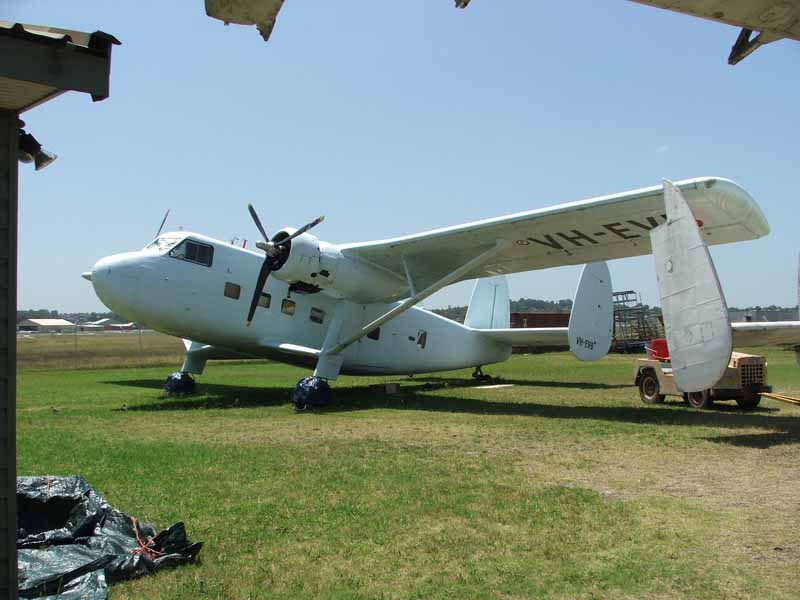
[(49, 61), (48, 322)]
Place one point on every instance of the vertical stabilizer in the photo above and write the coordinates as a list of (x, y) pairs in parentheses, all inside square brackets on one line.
[(489, 307), (591, 321), (695, 315)]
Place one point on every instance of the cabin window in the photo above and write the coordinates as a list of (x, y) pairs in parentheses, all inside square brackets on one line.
[(422, 338), (287, 307), (192, 251), (375, 334), (232, 290), (317, 315), (264, 300)]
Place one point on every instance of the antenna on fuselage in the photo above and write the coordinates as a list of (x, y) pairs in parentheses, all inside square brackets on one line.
[(164, 220)]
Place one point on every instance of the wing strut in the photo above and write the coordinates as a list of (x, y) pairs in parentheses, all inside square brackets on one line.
[(420, 296)]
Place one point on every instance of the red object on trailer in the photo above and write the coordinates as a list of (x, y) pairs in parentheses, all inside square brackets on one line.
[(658, 349)]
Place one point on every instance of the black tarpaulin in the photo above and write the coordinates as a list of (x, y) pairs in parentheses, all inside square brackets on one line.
[(71, 543)]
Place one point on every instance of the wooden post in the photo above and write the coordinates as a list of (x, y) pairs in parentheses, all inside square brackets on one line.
[(8, 353)]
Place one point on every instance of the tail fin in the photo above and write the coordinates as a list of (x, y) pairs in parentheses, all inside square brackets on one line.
[(591, 321), (696, 319), (489, 307)]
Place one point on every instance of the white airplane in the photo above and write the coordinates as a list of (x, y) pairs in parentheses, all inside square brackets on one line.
[(351, 308)]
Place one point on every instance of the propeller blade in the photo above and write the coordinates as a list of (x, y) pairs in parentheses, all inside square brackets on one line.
[(258, 222), (164, 220), (266, 268), (301, 231)]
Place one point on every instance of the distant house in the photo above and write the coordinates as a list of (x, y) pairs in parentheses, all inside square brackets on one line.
[(46, 326)]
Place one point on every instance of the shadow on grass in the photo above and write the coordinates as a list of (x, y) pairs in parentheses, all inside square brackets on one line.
[(416, 396), (207, 396), (472, 383)]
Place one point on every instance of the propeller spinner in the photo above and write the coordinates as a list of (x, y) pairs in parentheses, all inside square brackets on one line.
[(273, 256)]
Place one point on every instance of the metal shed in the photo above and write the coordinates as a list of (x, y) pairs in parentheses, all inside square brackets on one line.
[(36, 64)]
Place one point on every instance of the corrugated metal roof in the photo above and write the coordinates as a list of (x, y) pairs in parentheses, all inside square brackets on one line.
[(20, 85), (49, 322)]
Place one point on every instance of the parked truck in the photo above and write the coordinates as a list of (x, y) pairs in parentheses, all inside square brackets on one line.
[(744, 380)]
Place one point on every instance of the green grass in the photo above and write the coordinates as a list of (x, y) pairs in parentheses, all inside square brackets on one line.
[(562, 486)]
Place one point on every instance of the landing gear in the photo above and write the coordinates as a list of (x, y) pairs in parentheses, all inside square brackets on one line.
[(179, 382), (479, 375), (311, 392)]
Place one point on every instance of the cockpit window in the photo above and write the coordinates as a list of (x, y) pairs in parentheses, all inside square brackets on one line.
[(193, 251), (165, 242)]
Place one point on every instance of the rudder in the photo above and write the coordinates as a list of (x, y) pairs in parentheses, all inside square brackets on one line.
[(489, 306)]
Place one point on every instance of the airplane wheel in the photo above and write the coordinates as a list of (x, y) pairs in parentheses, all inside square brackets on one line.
[(179, 383), (649, 389), (311, 392), (700, 400)]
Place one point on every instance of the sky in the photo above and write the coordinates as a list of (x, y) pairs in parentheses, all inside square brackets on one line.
[(395, 118)]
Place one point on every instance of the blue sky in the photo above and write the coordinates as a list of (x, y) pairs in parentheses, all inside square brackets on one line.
[(393, 118)]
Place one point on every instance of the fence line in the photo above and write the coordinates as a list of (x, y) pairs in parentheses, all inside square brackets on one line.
[(86, 350)]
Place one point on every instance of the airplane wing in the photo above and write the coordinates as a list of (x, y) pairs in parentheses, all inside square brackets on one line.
[(603, 228), (773, 20), (776, 333)]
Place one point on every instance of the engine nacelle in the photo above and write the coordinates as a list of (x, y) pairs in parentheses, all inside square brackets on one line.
[(302, 263), (321, 264)]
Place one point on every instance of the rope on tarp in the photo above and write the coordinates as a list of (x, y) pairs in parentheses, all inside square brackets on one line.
[(144, 547)]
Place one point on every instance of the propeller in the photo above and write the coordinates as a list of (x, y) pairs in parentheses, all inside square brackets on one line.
[(274, 252), (164, 220)]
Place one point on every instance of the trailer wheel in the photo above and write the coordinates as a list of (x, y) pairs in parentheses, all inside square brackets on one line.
[(649, 388), (748, 401), (701, 399)]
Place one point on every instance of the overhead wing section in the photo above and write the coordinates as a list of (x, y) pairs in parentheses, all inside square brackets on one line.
[(603, 228), (772, 18), (261, 13)]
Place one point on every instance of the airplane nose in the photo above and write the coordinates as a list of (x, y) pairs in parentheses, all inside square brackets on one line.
[(116, 282)]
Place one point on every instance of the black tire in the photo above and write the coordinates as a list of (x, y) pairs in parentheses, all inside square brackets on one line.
[(748, 401), (699, 400), (649, 388)]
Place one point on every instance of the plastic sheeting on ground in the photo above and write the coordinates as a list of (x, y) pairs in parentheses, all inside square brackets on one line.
[(71, 543)]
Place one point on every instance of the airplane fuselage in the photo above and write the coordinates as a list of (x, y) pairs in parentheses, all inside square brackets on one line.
[(203, 295)]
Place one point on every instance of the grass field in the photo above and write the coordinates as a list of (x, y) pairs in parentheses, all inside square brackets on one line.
[(562, 486), (98, 350)]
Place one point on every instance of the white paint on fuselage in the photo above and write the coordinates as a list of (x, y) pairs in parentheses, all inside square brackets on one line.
[(186, 299)]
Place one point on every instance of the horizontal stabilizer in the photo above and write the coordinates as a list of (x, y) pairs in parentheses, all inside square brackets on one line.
[(591, 322), (695, 315), (537, 337), (766, 333)]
